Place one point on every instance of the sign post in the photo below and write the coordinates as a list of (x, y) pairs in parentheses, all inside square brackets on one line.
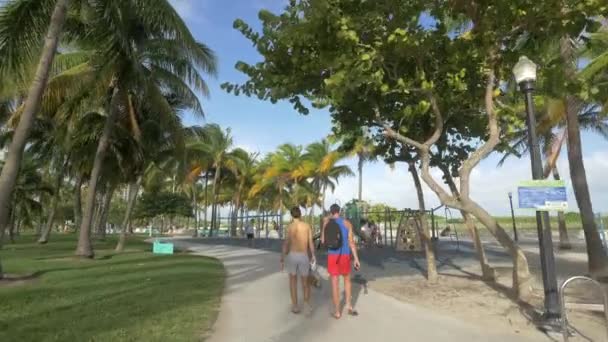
[(544, 196)]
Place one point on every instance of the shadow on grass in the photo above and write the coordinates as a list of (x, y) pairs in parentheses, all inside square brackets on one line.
[(135, 296)]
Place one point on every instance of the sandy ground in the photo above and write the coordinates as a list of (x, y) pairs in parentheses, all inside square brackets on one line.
[(461, 293)]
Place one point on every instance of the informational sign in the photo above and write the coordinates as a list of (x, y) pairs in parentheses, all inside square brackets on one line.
[(162, 247), (543, 195)]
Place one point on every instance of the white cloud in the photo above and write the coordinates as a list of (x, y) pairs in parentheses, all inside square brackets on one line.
[(489, 184), (192, 11)]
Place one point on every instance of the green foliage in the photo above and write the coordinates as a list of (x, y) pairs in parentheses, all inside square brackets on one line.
[(163, 203)]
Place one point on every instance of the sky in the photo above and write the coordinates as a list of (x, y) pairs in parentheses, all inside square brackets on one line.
[(260, 126)]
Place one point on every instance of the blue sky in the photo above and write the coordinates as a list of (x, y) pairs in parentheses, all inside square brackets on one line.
[(261, 126)]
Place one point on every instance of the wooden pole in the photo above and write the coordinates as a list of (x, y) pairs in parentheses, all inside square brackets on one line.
[(387, 213), (390, 222)]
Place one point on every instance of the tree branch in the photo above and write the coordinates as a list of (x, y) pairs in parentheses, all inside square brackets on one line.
[(488, 146)]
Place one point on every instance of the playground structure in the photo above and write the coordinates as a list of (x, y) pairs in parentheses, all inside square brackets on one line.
[(402, 228), (399, 229)]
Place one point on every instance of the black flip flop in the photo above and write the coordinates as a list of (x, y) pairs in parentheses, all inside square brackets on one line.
[(353, 312)]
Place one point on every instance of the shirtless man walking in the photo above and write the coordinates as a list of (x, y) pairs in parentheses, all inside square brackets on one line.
[(297, 247)]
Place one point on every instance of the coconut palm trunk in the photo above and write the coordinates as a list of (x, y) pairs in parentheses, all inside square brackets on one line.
[(195, 207), (237, 206), (428, 244), (11, 225), (564, 240), (216, 189), (597, 259), (50, 221), (360, 171), (78, 201), (98, 209), (84, 248), (126, 222), (12, 163), (105, 212)]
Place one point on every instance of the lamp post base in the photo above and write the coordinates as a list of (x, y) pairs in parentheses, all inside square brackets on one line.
[(550, 323)]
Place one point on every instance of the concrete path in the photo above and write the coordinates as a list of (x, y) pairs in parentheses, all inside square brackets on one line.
[(255, 307)]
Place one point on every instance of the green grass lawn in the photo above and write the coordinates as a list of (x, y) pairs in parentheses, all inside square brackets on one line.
[(135, 296)]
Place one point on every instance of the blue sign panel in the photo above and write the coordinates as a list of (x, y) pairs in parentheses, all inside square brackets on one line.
[(542, 195), (162, 248)]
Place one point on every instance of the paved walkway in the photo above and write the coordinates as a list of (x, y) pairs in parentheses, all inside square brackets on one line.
[(255, 307)]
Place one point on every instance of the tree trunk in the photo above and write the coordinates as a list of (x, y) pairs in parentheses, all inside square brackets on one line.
[(428, 244), (216, 188), (521, 274), (195, 207), (360, 171), (564, 240), (105, 211), (78, 202), (597, 260), (323, 196), (206, 202), (11, 226), (50, 221), (14, 155), (126, 222), (235, 212), (98, 210), (487, 272), (84, 248)]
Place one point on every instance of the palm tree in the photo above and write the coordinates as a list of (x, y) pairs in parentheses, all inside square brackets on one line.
[(213, 148), (321, 163), (152, 66), (17, 45), (358, 143), (243, 167), (30, 191), (555, 129), (283, 170)]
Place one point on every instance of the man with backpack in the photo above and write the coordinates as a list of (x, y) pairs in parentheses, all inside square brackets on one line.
[(337, 236)]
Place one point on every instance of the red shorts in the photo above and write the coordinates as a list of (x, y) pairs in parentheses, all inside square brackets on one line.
[(338, 264)]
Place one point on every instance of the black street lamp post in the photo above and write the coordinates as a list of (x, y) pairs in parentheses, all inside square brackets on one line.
[(525, 76)]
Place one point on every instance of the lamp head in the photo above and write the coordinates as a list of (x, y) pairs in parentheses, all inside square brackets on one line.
[(524, 70)]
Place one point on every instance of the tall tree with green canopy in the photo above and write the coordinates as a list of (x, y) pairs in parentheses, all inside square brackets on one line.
[(142, 49), (376, 64), (213, 148), (243, 167), (18, 47), (358, 143), (321, 163)]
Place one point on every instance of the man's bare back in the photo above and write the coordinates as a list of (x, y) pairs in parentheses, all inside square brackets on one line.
[(298, 253), (300, 236)]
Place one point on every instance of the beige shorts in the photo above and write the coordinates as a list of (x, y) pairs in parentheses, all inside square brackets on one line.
[(297, 264)]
